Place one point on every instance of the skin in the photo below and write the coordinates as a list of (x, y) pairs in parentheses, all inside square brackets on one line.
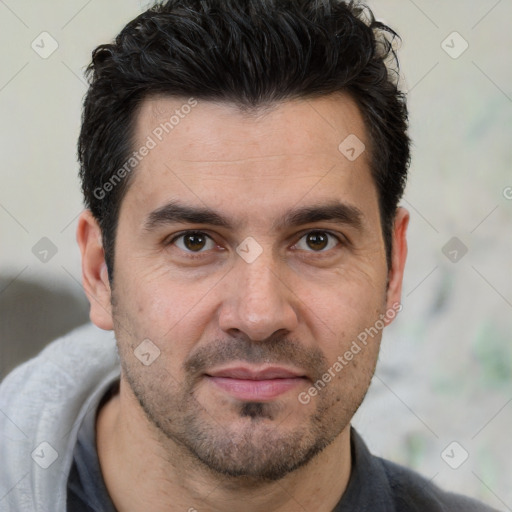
[(173, 438)]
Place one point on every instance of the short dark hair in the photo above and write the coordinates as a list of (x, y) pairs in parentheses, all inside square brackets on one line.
[(251, 53)]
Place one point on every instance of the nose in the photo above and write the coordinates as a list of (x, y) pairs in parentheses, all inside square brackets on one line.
[(258, 302)]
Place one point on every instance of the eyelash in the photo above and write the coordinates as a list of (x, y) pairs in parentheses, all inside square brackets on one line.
[(199, 254)]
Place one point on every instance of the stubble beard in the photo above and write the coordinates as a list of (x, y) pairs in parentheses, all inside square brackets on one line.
[(256, 446)]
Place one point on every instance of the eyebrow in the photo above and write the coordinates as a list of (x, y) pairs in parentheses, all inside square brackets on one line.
[(334, 211)]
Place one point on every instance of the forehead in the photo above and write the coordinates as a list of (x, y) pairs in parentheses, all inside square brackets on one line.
[(210, 151), (295, 126)]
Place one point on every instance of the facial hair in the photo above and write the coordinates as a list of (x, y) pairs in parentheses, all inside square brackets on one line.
[(252, 442)]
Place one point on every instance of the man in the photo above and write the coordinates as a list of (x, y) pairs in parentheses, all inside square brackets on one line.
[(242, 164)]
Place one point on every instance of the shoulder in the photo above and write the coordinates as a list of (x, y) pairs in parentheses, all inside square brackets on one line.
[(412, 492), (379, 484), (62, 373), (41, 405)]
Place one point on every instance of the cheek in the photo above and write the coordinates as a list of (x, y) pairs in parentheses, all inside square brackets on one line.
[(155, 297), (352, 295), (172, 314), (344, 314)]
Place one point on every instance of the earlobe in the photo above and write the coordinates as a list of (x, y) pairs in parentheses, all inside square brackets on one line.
[(398, 259), (94, 271)]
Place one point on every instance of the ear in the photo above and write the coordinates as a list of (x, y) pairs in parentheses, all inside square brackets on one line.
[(94, 271), (398, 257)]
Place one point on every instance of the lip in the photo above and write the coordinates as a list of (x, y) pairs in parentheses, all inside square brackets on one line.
[(246, 373), (251, 384)]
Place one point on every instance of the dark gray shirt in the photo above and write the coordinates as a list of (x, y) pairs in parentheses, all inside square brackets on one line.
[(376, 485), (86, 488)]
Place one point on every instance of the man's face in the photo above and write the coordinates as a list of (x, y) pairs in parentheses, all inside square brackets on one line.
[(250, 312)]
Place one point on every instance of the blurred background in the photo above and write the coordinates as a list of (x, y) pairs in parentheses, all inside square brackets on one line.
[(441, 398)]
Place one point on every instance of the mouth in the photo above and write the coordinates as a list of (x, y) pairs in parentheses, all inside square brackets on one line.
[(256, 384)]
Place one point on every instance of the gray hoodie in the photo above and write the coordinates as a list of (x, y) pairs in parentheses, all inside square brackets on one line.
[(42, 405)]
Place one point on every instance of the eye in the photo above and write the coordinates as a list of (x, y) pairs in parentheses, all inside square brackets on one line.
[(193, 241), (318, 241)]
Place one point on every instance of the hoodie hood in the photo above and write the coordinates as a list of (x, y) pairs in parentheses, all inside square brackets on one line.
[(42, 405)]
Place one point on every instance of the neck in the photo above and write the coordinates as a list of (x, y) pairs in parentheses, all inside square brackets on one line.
[(143, 471)]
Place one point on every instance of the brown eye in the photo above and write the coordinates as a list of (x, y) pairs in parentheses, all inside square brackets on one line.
[(317, 241), (193, 241)]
